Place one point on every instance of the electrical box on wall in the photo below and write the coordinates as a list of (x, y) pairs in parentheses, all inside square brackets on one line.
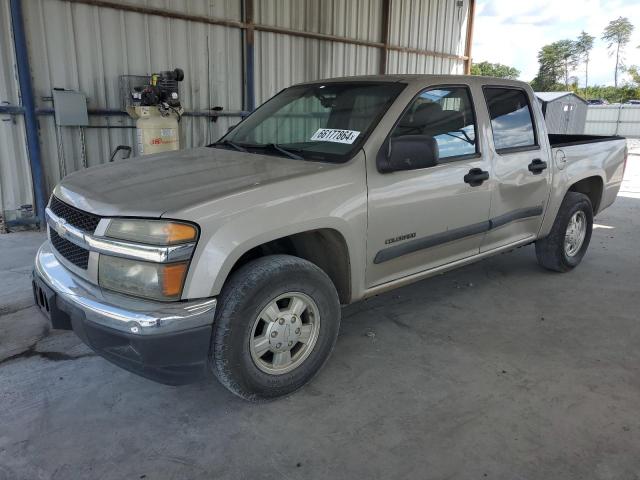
[(70, 108)]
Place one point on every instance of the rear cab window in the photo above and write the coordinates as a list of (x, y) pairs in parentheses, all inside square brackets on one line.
[(511, 119)]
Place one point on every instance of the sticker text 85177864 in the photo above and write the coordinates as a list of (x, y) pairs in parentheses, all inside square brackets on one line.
[(335, 135)]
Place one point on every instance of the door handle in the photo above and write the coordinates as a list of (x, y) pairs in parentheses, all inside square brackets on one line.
[(537, 166), (476, 176)]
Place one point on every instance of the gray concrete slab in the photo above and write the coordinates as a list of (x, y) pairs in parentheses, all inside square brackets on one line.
[(16, 261), (20, 331), (498, 370)]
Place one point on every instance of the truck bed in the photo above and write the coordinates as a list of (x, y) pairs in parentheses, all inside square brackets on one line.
[(580, 157), (564, 140)]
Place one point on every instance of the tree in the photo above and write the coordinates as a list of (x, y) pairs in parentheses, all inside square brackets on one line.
[(584, 45), (618, 34), (556, 61), (634, 73), (613, 94), (568, 53), (487, 69), (627, 91), (549, 70)]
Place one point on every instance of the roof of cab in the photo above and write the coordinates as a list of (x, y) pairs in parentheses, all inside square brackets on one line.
[(423, 78)]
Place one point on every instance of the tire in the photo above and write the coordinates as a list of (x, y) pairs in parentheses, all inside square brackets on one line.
[(246, 296), (550, 251)]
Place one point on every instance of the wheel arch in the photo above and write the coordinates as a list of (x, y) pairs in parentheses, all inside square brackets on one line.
[(326, 247), (592, 187)]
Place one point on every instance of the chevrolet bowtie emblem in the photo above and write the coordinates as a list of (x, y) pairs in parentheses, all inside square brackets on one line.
[(61, 227)]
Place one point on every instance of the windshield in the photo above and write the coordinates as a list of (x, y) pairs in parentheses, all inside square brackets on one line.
[(322, 122)]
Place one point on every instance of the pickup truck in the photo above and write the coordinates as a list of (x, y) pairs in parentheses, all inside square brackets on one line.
[(234, 259)]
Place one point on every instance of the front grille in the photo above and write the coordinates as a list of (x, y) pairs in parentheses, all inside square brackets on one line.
[(72, 252), (78, 218)]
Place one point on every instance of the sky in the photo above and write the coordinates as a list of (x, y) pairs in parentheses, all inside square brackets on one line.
[(512, 32)]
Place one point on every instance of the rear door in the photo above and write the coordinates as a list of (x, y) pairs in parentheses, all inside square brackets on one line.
[(521, 169), (423, 218)]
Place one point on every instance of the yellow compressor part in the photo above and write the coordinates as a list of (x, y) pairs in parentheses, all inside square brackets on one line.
[(156, 130)]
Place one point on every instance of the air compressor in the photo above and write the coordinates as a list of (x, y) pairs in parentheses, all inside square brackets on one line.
[(155, 105)]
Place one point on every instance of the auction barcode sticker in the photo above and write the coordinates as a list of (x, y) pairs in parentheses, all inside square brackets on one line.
[(335, 135)]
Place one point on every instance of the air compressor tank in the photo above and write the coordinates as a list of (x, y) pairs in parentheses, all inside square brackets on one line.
[(154, 102), (156, 130)]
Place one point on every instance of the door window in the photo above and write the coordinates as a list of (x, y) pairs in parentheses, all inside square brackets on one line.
[(445, 114), (511, 118)]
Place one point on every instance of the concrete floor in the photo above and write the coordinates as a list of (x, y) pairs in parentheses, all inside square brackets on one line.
[(498, 370)]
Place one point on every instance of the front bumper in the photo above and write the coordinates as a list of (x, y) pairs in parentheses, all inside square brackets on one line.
[(165, 341)]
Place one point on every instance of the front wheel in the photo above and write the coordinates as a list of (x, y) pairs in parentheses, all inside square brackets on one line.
[(565, 246), (276, 323)]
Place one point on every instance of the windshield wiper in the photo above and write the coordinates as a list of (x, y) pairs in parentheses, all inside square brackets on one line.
[(231, 144), (278, 148)]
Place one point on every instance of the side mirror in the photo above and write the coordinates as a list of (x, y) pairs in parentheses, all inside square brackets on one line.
[(408, 152)]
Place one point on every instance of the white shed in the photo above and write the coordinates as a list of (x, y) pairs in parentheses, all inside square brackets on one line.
[(564, 112)]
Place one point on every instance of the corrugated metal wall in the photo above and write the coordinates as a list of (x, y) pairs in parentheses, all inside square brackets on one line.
[(15, 176), (621, 120), (86, 48), (282, 60), (434, 25)]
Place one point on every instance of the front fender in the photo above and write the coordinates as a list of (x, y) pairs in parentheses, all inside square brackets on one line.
[(333, 199), (222, 251)]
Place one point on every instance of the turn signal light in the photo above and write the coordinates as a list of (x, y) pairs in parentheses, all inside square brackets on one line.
[(173, 279), (179, 233)]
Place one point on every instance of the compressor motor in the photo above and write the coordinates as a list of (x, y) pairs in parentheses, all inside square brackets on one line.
[(162, 90), (155, 104)]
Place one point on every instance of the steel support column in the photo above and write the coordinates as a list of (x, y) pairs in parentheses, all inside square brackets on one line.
[(384, 29), (249, 56), (469, 39), (29, 107)]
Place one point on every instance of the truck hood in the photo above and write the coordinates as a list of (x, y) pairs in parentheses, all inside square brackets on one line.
[(151, 185)]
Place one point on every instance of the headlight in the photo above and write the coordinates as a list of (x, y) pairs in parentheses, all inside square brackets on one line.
[(154, 232), (158, 281)]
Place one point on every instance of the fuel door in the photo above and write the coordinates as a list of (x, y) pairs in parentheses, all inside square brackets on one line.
[(561, 159)]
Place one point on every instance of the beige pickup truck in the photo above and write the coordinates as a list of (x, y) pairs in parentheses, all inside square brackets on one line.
[(235, 258)]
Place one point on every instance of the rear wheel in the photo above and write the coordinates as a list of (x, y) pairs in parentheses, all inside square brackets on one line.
[(276, 323), (565, 246)]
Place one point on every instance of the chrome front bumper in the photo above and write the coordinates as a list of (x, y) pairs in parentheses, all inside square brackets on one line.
[(166, 342), (120, 312)]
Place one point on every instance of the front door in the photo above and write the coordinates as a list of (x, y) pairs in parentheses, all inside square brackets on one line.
[(520, 168), (421, 219)]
